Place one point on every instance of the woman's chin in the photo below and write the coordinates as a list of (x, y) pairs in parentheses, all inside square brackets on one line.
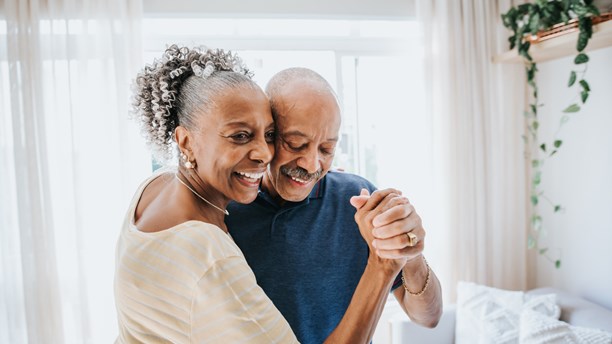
[(245, 189), (246, 198)]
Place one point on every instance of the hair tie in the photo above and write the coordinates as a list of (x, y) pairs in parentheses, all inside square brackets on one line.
[(202, 72)]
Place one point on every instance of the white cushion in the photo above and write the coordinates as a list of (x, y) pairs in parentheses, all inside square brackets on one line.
[(537, 328), (578, 311), (491, 315), (502, 325)]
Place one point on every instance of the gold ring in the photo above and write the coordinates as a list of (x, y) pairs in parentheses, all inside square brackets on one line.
[(412, 239)]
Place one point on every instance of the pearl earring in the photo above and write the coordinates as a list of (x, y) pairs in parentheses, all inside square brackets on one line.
[(188, 164)]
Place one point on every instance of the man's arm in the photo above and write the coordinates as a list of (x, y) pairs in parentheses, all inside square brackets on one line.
[(423, 302)]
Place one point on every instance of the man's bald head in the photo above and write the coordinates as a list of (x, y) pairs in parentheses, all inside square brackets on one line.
[(307, 117), (289, 79)]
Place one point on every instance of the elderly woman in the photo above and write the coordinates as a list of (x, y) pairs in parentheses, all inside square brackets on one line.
[(179, 277)]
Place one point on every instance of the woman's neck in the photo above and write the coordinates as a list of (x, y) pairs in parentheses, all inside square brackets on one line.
[(210, 203)]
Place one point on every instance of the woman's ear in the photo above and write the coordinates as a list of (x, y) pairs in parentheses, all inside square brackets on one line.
[(183, 140)]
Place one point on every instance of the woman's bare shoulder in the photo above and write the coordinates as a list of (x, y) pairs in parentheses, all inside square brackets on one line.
[(163, 206)]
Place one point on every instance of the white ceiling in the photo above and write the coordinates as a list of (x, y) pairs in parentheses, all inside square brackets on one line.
[(354, 9)]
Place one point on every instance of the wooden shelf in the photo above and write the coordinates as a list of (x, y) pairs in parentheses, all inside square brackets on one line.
[(561, 46)]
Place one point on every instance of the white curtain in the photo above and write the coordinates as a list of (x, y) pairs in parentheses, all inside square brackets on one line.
[(69, 161), (477, 110)]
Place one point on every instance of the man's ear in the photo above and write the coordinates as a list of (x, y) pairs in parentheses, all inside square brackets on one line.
[(183, 140)]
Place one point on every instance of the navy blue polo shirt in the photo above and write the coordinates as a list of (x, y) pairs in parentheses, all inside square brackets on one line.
[(307, 256)]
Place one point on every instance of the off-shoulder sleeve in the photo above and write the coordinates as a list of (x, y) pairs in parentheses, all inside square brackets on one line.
[(228, 306)]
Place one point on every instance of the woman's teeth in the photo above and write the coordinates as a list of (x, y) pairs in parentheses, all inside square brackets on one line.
[(253, 176)]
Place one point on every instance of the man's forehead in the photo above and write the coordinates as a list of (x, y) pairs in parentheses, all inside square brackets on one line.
[(298, 101), (297, 119)]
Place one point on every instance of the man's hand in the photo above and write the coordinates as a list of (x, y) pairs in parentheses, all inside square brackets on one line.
[(380, 206), (389, 218)]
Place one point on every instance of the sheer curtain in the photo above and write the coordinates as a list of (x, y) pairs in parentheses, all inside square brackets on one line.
[(476, 108), (69, 162)]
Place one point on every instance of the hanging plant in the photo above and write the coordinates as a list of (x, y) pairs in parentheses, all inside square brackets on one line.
[(527, 21)]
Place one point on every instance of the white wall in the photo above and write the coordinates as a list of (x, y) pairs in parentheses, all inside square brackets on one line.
[(579, 178)]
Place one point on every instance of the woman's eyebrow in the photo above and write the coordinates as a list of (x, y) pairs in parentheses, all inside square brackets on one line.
[(237, 124)]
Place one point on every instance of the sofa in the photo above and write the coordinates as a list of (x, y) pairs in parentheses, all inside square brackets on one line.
[(575, 311)]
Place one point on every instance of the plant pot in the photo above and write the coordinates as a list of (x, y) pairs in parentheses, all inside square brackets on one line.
[(562, 29)]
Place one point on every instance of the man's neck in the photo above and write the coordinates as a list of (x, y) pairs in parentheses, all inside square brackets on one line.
[(268, 188)]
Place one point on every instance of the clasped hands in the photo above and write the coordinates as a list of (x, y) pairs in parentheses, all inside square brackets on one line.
[(385, 219)]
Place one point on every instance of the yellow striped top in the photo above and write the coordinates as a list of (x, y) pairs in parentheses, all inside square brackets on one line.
[(189, 284)]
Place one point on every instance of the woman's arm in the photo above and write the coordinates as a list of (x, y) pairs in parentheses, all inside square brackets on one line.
[(362, 315)]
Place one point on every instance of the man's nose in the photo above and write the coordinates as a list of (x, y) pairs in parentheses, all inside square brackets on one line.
[(310, 161)]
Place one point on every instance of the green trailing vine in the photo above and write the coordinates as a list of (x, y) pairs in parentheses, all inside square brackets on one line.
[(529, 19)]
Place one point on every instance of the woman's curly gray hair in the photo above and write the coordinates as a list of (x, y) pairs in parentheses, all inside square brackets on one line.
[(172, 90)]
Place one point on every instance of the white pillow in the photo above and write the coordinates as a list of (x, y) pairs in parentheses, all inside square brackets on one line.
[(538, 329), (491, 315), (501, 325)]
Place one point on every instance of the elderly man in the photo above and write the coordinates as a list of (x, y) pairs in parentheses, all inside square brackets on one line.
[(304, 234)]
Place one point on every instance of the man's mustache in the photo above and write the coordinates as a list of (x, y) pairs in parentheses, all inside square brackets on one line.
[(301, 173)]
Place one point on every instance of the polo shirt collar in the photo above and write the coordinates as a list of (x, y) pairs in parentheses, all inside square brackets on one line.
[(318, 190)]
